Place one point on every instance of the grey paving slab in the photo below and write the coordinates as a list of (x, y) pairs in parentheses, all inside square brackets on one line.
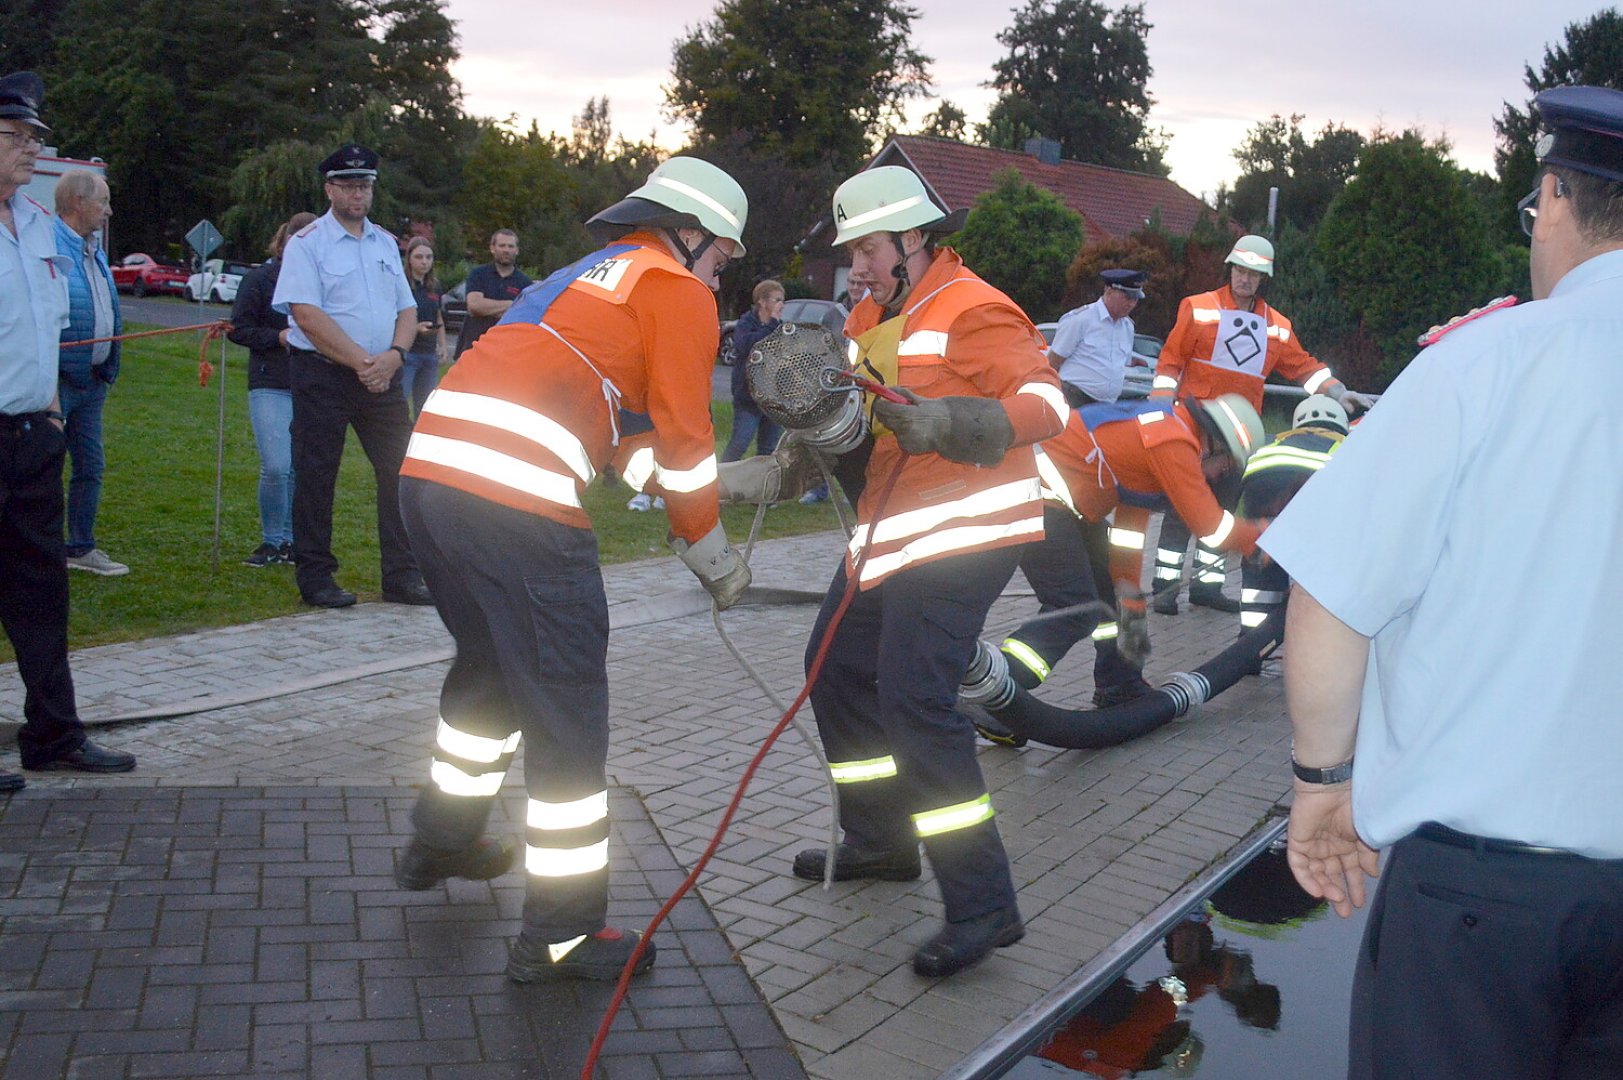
[(347, 700)]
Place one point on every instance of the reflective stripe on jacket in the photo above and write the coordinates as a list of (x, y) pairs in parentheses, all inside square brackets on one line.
[(1186, 364)]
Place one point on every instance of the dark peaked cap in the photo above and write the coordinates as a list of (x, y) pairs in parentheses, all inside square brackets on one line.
[(1583, 130)]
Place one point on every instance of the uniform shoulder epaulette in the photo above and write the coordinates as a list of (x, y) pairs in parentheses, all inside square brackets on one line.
[(1436, 333), (387, 233), (308, 229)]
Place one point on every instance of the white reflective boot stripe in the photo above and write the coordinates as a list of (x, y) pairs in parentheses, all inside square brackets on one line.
[(488, 464), (682, 480), (1163, 382), (949, 540), (508, 416), (952, 818), (563, 948), (928, 518), (1312, 383), (639, 467), (567, 815), (1126, 538), (1027, 656), (1053, 396), (566, 862), (473, 747), (855, 772), (1250, 619), (1210, 577), (1221, 533), (453, 781), (1054, 486), (923, 343), (1168, 573), (1261, 596), (1106, 631)]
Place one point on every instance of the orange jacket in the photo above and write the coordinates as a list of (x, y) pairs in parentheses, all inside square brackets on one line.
[(962, 338), (1193, 361), (524, 420), (1149, 460)]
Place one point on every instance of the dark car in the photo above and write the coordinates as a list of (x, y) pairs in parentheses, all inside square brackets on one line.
[(454, 308)]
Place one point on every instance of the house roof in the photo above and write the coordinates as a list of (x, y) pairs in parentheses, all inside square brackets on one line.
[(1113, 202)]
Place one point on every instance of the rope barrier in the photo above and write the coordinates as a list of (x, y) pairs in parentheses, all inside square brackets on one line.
[(213, 331)]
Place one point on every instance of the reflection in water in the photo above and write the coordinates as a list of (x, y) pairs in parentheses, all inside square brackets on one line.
[(1198, 1005)]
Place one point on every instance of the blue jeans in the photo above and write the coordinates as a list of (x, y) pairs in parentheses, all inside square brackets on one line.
[(82, 411), (271, 412), (418, 377), (748, 423)]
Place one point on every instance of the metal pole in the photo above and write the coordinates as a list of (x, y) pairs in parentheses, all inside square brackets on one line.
[(1273, 208), (219, 459)]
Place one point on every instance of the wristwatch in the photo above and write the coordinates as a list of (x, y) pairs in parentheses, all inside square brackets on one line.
[(401, 351), (1335, 774)]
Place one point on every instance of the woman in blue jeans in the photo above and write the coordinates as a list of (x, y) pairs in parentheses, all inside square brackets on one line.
[(263, 332), (422, 369), (748, 422)]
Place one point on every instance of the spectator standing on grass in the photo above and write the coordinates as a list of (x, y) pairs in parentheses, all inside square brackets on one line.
[(85, 372), (263, 331), (427, 352), (33, 313), (492, 288), (748, 422)]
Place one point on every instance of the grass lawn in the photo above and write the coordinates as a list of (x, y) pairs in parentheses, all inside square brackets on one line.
[(157, 508)]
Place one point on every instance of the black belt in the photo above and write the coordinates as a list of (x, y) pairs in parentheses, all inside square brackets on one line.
[(311, 354), (21, 420), (1442, 834)]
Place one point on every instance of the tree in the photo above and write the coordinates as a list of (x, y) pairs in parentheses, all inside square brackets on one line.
[(1308, 173), (948, 121), (811, 81), (1021, 237), (1406, 243), (519, 182), (1592, 55), (1076, 73)]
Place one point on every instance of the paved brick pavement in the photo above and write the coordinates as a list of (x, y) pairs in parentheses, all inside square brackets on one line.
[(345, 701)]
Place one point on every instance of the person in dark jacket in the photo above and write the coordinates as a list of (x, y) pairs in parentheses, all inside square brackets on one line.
[(748, 422), (262, 330)]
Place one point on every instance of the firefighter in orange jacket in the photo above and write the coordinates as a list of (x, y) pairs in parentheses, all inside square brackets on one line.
[(967, 497), (1228, 341), (491, 496), (1132, 458)]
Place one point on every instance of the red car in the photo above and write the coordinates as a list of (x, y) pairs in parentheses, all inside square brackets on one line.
[(142, 274)]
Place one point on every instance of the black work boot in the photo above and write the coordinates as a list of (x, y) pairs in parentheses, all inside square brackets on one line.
[(600, 956), (963, 944), (851, 863), (1166, 600), (422, 867), (1211, 596), (10, 781)]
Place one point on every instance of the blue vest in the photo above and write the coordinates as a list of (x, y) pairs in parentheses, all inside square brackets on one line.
[(1100, 413)]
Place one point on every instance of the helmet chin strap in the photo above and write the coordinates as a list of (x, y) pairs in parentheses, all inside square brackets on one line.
[(690, 256), (904, 283)]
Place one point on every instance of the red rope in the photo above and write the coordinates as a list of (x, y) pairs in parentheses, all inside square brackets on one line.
[(205, 370), (812, 672)]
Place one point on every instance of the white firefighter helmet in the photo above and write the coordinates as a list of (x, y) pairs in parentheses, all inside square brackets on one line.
[(683, 193), (887, 199), (1253, 253), (1234, 424), (1322, 411)]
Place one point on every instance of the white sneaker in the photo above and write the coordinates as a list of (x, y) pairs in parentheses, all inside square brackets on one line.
[(641, 503), (96, 561)]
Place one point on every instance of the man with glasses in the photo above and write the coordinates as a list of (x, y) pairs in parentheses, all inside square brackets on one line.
[(33, 312), (351, 318), (1486, 737)]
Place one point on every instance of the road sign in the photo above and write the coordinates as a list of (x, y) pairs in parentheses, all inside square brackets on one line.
[(204, 238)]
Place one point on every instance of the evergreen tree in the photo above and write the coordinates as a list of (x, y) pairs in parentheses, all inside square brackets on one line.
[(1021, 238), (1308, 172)]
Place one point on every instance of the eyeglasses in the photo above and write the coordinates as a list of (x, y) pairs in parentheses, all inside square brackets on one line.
[(1527, 209), (351, 185), (23, 138)]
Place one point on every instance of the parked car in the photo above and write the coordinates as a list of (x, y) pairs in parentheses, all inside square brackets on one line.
[(141, 274), (829, 313), (454, 309), (218, 281), (1140, 365)]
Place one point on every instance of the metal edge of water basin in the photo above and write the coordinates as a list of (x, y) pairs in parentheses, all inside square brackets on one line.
[(1026, 1032)]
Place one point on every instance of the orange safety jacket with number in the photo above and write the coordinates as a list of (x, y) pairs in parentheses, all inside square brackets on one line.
[(1138, 458), (961, 338), (1217, 348), (531, 412)]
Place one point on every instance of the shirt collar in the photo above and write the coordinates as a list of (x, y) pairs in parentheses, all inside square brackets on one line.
[(1608, 264)]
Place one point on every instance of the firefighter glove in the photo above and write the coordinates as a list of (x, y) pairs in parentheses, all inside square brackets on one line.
[(1133, 630), (718, 566), (1351, 400), (787, 473), (968, 430)]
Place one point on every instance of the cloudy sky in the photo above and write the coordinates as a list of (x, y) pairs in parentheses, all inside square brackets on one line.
[(1443, 65)]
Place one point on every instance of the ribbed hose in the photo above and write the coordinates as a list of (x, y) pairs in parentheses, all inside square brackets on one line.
[(1091, 729)]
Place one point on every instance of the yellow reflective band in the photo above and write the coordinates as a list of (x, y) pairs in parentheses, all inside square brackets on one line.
[(1205, 315), (1312, 383), (1249, 619), (1053, 396), (888, 210), (685, 480), (564, 948), (639, 467), (493, 465), (855, 772), (949, 540), (567, 815), (1163, 382), (1275, 457), (566, 862), (923, 343), (453, 781), (523, 422), (1054, 486), (1221, 533), (699, 197), (1106, 631), (952, 818), (473, 747), (1126, 538), (1027, 656)]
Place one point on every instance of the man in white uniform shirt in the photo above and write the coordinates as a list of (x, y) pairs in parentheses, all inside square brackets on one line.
[(1488, 737), (1093, 344)]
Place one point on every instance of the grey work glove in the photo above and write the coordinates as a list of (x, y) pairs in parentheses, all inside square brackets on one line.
[(1132, 630), (787, 473), (718, 566), (1351, 400), (968, 430)]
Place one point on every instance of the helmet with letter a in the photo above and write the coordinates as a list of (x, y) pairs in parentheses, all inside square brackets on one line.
[(1231, 424), (683, 193), (1253, 253), (888, 199)]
